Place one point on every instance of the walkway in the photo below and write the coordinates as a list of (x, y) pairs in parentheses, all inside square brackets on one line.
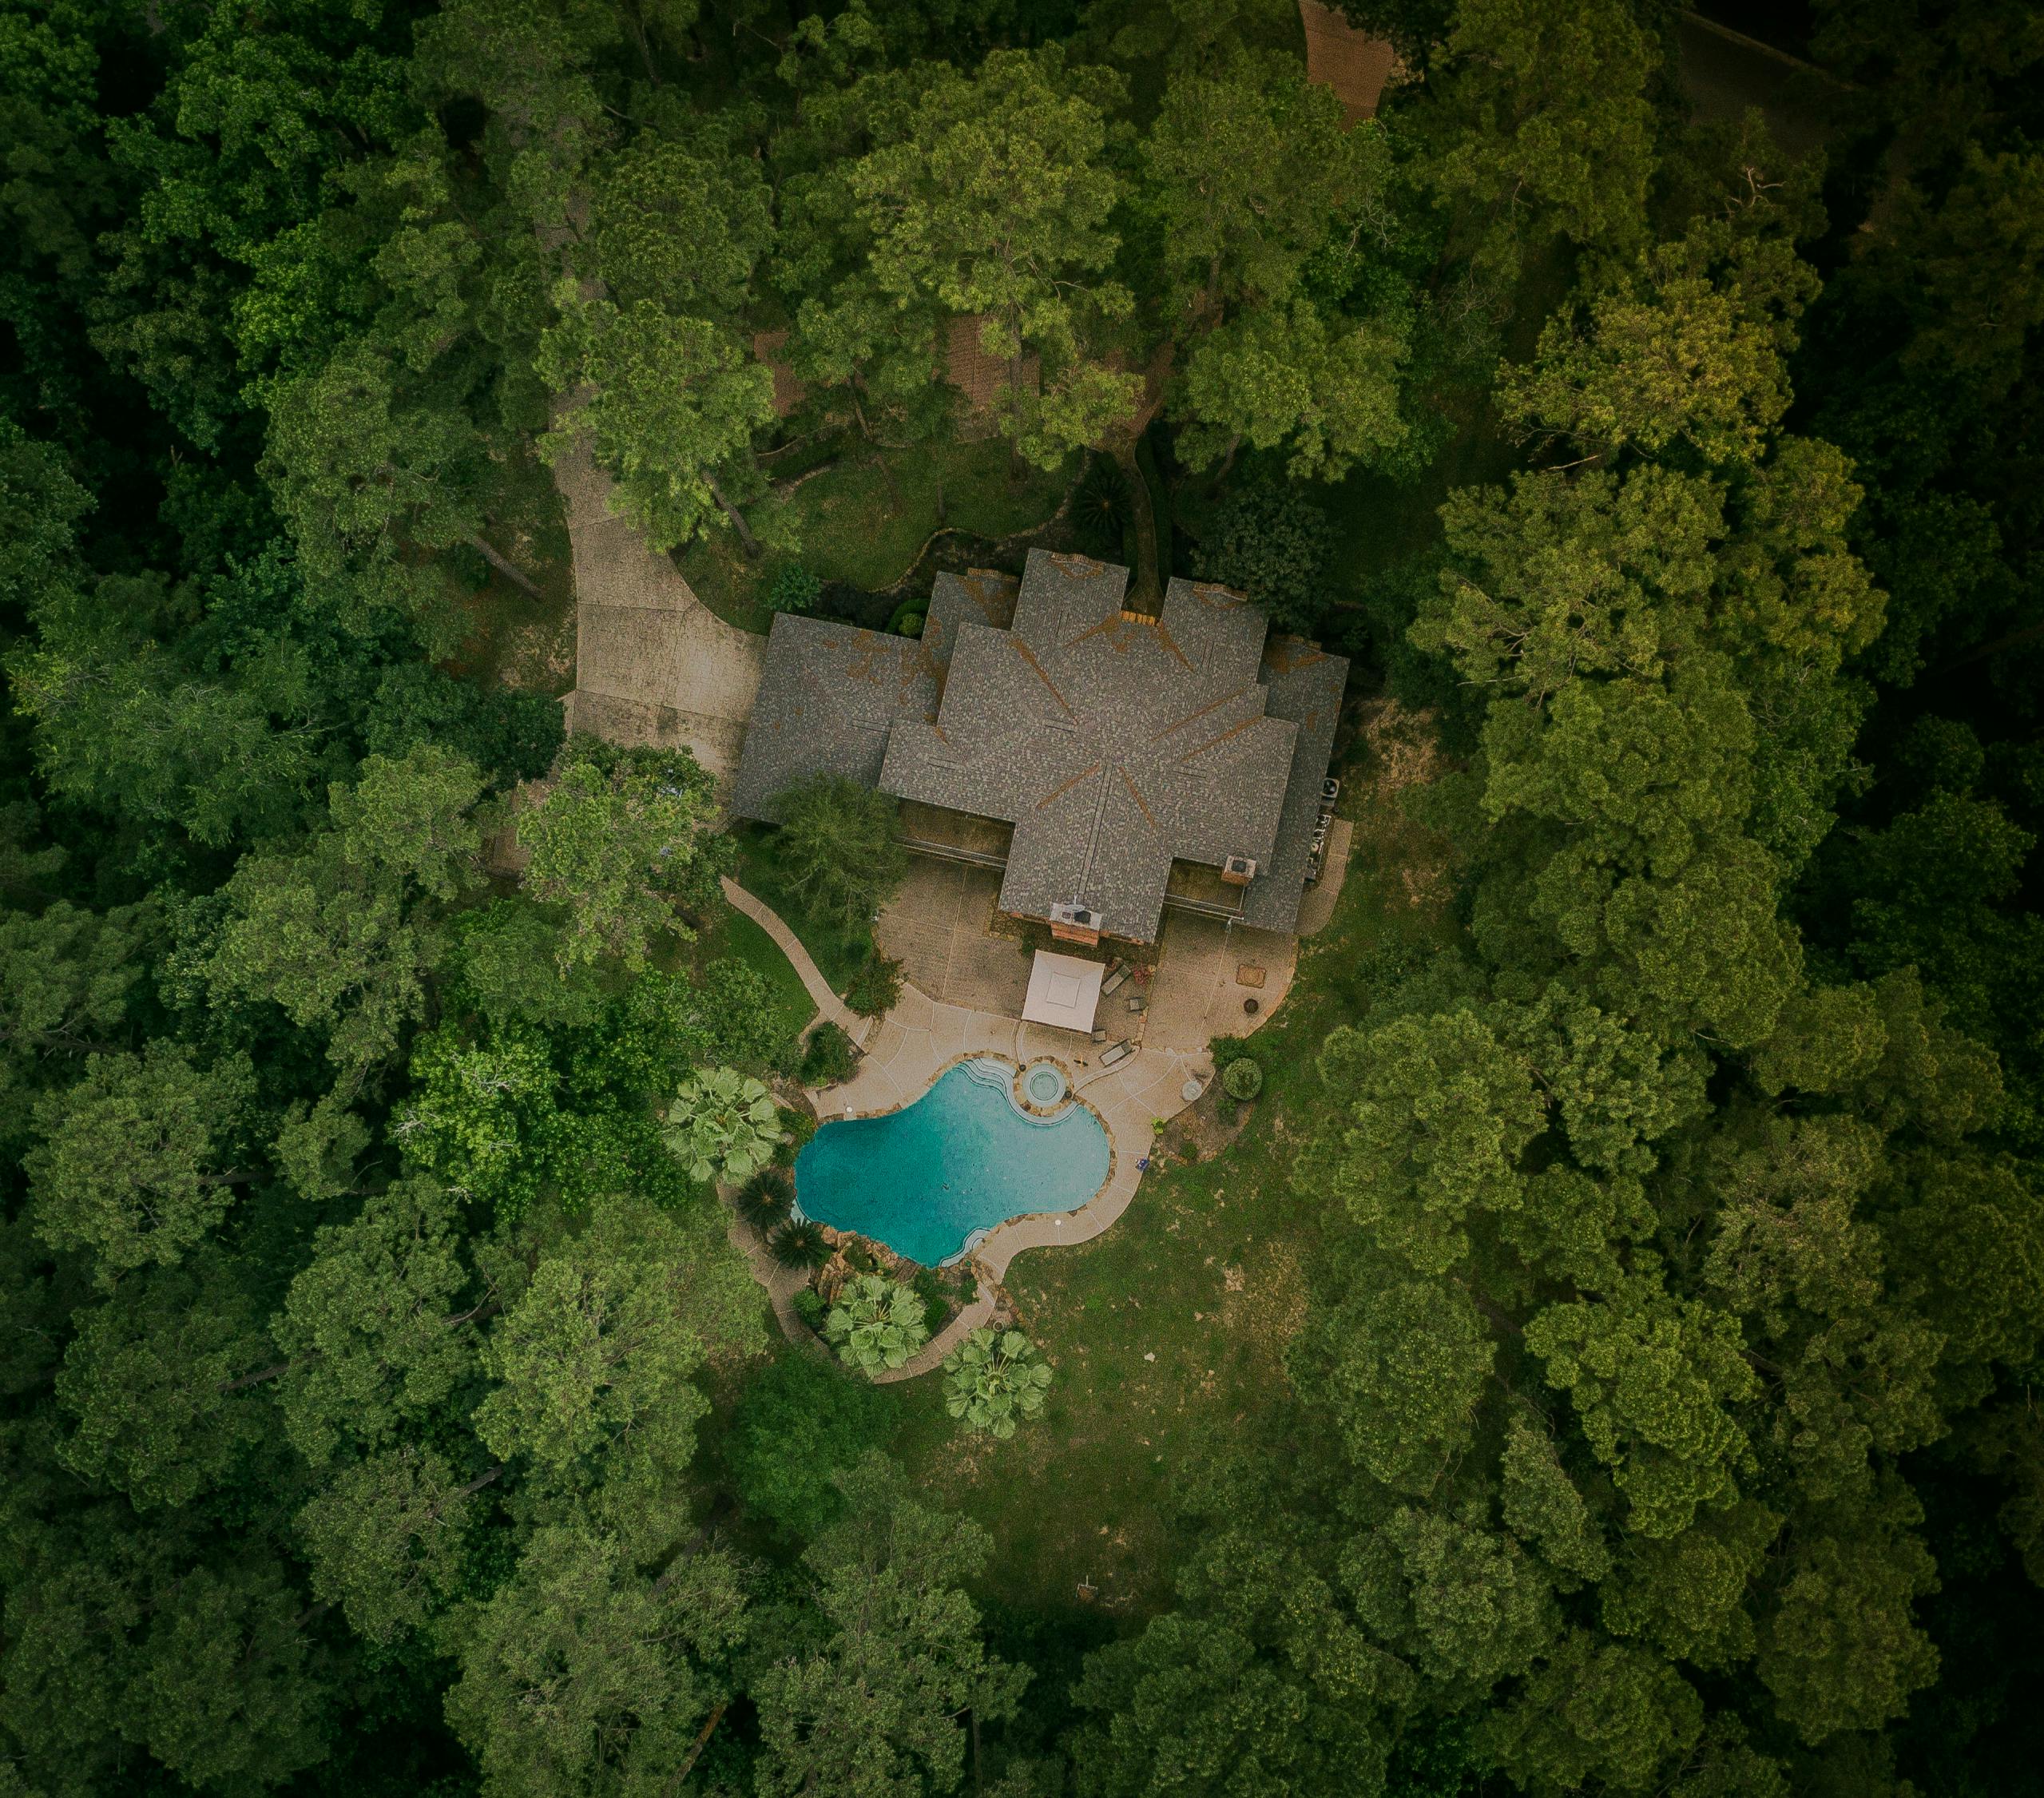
[(828, 1004), (652, 663)]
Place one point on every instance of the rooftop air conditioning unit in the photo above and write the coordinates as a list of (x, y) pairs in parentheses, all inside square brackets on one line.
[(1238, 870)]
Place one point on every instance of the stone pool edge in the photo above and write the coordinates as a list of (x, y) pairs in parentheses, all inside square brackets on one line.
[(969, 1254)]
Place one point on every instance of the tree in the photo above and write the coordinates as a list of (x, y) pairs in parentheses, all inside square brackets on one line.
[(367, 481), (1691, 348), (1250, 173), (722, 1124), (1287, 375), (1465, 1604), (876, 1323), (1543, 128), (1400, 1365), (874, 1708), (152, 1378), (1652, 1378), (993, 204), (837, 847), (618, 836), (1610, 1711), (134, 1165), (67, 979), (1543, 1509), (670, 405), (386, 1540), (1435, 1114), (1841, 1650), (582, 1671), (799, 1422), (225, 1685), (1260, 1681), (340, 935), (373, 1330), (594, 1362)]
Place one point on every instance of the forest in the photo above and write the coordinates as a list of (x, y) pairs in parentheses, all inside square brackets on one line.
[(1622, 1378)]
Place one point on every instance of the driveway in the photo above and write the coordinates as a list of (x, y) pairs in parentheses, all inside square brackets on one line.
[(652, 663)]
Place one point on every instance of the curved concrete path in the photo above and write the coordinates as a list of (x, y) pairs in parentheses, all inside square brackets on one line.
[(828, 1004), (653, 665)]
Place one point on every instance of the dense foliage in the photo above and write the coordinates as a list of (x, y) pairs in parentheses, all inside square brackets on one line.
[(383, 1407)]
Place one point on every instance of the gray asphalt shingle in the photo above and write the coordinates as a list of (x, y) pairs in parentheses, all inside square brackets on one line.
[(1113, 745)]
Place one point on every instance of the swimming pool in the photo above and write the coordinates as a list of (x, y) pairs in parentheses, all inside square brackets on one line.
[(925, 1179)]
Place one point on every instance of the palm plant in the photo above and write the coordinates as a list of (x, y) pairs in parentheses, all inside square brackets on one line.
[(766, 1200), (993, 1382), (722, 1123), (1100, 507), (876, 1323), (799, 1244)]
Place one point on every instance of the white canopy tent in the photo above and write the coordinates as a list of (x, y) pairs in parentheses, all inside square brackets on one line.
[(1063, 991)]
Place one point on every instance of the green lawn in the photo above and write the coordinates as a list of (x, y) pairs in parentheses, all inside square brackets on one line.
[(730, 932), (838, 951), (865, 518), (1168, 1331)]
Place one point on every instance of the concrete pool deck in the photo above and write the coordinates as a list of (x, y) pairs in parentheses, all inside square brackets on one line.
[(938, 928)]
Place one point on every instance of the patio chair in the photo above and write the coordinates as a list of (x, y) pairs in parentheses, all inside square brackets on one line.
[(1115, 1053)]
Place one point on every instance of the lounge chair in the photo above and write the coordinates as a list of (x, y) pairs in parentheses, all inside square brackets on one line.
[(1115, 1053), (1113, 980)]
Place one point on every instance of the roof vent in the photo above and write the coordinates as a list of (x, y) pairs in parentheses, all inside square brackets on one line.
[(1238, 870)]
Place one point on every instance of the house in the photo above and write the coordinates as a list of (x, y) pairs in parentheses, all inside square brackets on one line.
[(1109, 764)]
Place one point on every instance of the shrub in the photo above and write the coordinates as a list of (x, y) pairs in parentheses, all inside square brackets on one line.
[(795, 1425), (875, 988), (876, 1324), (766, 1200), (722, 1123), (937, 1299), (794, 588), (837, 847), (1242, 1078), (992, 1383), (1226, 1049), (911, 625), (1272, 542), (830, 1057), (799, 1244), (796, 1128), (810, 1307)]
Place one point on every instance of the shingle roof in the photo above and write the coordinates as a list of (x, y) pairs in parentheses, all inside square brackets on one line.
[(826, 699), (1305, 685), (1113, 746)]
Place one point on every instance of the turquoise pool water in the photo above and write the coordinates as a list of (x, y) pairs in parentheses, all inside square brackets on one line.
[(960, 1159)]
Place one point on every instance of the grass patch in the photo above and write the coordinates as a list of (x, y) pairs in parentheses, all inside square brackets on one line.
[(864, 519), (730, 932), (1168, 1332), (839, 951)]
